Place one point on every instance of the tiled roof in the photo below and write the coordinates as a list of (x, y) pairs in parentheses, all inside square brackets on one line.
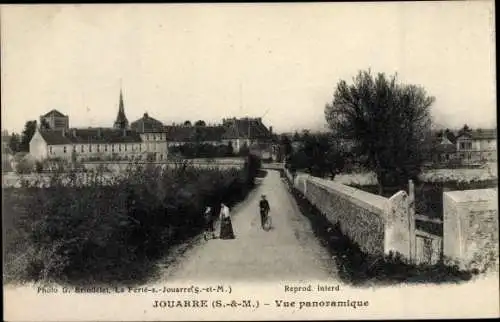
[(246, 128), (90, 135), (55, 113), (191, 133), (147, 124), (480, 134)]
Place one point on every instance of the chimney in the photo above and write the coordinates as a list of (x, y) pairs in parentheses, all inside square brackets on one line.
[(146, 115)]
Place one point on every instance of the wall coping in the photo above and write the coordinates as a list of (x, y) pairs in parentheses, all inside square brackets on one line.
[(477, 195), (371, 202)]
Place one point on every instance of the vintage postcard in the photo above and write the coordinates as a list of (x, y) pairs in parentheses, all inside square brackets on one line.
[(249, 161)]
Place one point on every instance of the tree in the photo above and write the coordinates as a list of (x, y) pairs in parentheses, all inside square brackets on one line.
[(285, 147), (15, 143), (28, 132), (200, 123), (187, 123), (388, 121)]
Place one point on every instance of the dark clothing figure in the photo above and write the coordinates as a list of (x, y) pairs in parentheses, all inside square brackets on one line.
[(209, 220), (264, 209), (226, 226)]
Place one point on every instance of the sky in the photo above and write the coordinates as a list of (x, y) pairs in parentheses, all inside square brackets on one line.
[(280, 62)]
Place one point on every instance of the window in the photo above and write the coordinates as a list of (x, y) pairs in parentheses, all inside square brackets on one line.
[(119, 147), (125, 147), (98, 148), (161, 156), (74, 148), (105, 148), (154, 137), (90, 147), (112, 148), (140, 147), (82, 148), (147, 137), (64, 149)]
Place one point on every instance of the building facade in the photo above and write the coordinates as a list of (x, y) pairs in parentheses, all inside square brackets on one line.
[(54, 120), (478, 145)]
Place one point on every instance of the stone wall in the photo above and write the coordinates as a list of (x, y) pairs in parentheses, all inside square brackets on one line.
[(470, 228), (378, 225)]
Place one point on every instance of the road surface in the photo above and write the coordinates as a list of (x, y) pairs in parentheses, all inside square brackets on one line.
[(289, 251)]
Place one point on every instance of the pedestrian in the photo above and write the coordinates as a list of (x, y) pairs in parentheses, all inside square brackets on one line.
[(264, 210), (226, 227), (209, 223)]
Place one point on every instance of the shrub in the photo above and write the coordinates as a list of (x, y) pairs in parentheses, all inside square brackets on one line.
[(90, 227)]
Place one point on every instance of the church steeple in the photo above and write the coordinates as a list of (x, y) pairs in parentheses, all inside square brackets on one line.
[(121, 120)]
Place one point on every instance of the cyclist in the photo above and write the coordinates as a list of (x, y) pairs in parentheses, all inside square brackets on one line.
[(264, 210)]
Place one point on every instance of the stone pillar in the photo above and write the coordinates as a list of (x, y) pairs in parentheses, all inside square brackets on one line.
[(397, 226), (411, 221), (470, 228)]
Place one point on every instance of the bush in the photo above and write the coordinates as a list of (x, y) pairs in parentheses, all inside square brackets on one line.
[(92, 228)]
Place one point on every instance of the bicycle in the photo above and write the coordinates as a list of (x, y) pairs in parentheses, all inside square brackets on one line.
[(268, 222)]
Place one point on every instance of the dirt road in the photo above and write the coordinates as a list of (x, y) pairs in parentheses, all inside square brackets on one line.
[(289, 251)]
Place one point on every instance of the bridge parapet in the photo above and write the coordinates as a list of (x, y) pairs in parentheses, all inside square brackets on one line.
[(377, 224)]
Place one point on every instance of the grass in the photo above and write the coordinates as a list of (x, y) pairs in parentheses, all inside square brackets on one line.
[(360, 269)]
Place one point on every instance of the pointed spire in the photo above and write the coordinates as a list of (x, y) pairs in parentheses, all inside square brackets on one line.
[(121, 120)]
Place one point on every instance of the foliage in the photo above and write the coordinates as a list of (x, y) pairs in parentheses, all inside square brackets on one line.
[(284, 148), (200, 123), (202, 150), (388, 121), (28, 132), (24, 165), (90, 227), (318, 155), (15, 143)]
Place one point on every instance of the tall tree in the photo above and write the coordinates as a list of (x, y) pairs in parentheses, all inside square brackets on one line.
[(28, 132), (200, 123), (187, 123), (388, 121)]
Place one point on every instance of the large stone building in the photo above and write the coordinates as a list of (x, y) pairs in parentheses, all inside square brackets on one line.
[(115, 143), (145, 138)]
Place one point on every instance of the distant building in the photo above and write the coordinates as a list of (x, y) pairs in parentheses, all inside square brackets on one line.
[(82, 144), (476, 145), (247, 132), (443, 147), (153, 135), (54, 120)]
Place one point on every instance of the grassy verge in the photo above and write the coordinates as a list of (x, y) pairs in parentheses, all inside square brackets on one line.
[(360, 269), (74, 233)]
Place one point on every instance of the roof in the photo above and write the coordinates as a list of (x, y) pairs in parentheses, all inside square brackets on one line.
[(179, 133), (55, 113), (90, 135), (479, 134), (252, 128), (147, 124)]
